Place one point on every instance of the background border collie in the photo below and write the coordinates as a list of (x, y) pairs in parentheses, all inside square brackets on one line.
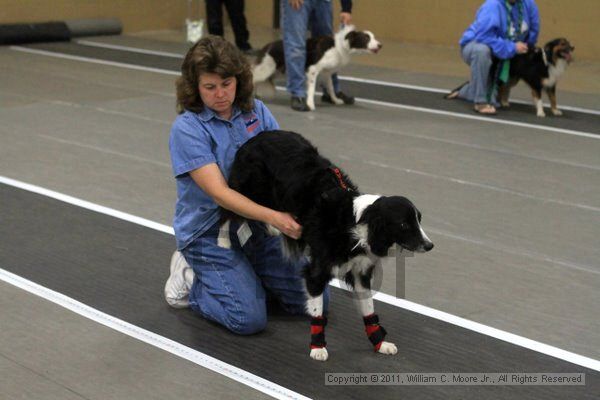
[(325, 55), (343, 230), (540, 69)]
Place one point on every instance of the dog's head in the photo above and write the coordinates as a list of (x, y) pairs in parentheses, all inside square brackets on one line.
[(360, 41), (559, 49), (394, 219)]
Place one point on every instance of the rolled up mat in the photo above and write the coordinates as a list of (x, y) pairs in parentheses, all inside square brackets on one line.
[(30, 33), (94, 26)]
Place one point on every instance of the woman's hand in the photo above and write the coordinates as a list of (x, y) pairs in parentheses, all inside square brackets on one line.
[(345, 18), (296, 4), (286, 224), (521, 47)]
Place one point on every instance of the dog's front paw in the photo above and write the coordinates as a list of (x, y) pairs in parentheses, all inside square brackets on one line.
[(311, 104), (557, 112), (541, 114), (337, 101), (320, 354), (387, 348)]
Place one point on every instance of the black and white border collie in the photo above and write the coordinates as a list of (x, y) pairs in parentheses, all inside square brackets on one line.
[(343, 230), (540, 69), (325, 55)]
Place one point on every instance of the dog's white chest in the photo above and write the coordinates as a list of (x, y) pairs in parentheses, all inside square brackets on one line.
[(333, 60), (554, 72)]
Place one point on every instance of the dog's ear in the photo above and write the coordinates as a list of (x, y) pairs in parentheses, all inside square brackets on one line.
[(379, 238), (551, 44)]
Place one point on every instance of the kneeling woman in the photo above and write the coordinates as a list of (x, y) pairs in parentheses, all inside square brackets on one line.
[(230, 273)]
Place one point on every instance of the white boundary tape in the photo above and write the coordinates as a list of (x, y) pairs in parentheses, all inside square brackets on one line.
[(401, 303), (375, 102), (161, 342), (343, 78)]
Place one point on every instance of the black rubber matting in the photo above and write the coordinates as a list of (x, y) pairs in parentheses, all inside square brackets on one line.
[(120, 268), (572, 120)]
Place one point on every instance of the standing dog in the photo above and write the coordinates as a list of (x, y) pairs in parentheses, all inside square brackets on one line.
[(342, 229), (540, 68), (324, 55)]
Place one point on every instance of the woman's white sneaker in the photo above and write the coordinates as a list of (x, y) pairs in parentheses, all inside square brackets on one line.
[(179, 284)]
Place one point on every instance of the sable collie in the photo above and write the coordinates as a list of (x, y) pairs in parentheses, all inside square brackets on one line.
[(540, 68), (343, 230), (325, 55)]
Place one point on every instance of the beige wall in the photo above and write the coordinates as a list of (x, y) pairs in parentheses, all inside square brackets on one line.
[(416, 21), (136, 15)]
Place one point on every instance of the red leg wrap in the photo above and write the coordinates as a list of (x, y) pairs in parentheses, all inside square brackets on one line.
[(317, 332), (375, 332)]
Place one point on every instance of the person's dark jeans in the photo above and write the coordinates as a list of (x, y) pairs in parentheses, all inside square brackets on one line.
[(235, 9)]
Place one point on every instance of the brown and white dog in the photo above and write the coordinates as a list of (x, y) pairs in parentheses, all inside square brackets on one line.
[(325, 55), (541, 69)]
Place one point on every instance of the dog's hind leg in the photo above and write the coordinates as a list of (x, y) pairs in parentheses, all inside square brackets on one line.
[(361, 275), (552, 96), (311, 85), (331, 90)]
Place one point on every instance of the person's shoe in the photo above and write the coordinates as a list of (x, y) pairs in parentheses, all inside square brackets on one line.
[(348, 100), (455, 92), (299, 104), (179, 284)]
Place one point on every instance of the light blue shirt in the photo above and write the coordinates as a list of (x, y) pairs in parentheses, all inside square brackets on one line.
[(198, 139)]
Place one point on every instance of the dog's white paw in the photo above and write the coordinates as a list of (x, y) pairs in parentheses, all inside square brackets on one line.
[(311, 105), (557, 112), (541, 114), (388, 348), (338, 101), (319, 354)]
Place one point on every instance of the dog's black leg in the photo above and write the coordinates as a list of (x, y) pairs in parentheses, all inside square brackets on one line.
[(315, 286), (552, 96)]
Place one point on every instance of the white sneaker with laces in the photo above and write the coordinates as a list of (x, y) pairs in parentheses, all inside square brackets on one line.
[(179, 284)]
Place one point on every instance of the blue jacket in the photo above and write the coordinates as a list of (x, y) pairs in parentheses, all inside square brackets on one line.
[(490, 26)]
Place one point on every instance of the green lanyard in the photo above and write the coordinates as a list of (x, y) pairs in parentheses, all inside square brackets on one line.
[(509, 19)]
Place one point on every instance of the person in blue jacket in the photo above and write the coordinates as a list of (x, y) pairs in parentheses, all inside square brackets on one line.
[(296, 15), (224, 275), (502, 28)]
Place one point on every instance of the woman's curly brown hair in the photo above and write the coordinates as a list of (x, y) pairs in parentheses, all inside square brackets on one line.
[(213, 54)]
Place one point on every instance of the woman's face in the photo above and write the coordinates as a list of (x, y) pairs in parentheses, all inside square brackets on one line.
[(217, 93)]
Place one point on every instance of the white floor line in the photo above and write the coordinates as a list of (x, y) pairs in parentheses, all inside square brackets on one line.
[(405, 304), (468, 116), (106, 151), (483, 186), (93, 60), (444, 91), (483, 329), (130, 49), (376, 102), (151, 338), (343, 78)]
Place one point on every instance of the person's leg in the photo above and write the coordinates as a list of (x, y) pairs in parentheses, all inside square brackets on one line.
[(479, 58), (280, 275), (294, 26), (214, 17), (226, 289), (321, 23), (235, 9)]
